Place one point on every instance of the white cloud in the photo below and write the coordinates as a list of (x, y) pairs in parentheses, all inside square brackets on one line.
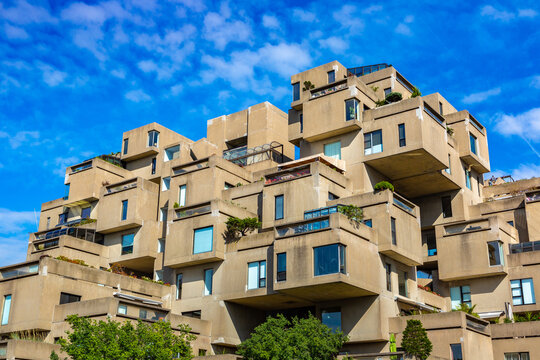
[(52, 76), (505, 16), (535, 82), (335, 44), (137, 96), (80, 13), (348, 18), (408, 19), (403, 29), (528, 13), (14, 221), (14, 247), (526, 171), (15, 33), (20, 137), (25, 13), (62, 163), (371, 9), (481, 96), (526, 124), (303, 15), (270, 22), (176, 89), (221, 32), (195, 5), (119, 73)]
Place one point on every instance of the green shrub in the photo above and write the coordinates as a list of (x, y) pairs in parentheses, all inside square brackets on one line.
[(381, 185), (308, 86), (416, 92), (393, 97), (240, 227), (176, 205), (352, 212), (380, 102)]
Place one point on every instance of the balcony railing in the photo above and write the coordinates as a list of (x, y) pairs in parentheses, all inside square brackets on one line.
[(190, 167), (303, 228), (288, 175), (19, 271), (80, 167), (320, 212), (460, 228), (246, 156), (329, 90), (400, 202), (532, 196), (121, 187), (180, 213), (80, 233), (524, 247), (368, 69)]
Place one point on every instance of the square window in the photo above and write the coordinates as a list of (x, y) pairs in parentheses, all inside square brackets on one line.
[(329, 259), (256, 275), (332, 318), (373, 142), (85, 212), (171, 153), (122, 309), (203, 240), (333, 150), (127, 243)]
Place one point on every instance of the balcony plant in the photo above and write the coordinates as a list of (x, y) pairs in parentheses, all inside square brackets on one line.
[(352, 212), (416, 92), (308, 86), (467, 309), (382, 185), (176, 205), (237, 227), (393, 97), (449, 131)]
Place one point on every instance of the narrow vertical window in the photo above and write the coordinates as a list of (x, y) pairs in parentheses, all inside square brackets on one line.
[(124, 209), (393, 230), (208, 275), (163, 214), (351, 109), (153, 138), (48, 222), (446, 203), (126, 141), (161, 246), (401, 131), (402, 283), (333, 150), (301, 122), (278, 205), (281, 267), (331, 76), (153, 166), (66, 192), (182, 196), (388, 277), (478, 184), (449, 168), (457, 354), (6, 308), (495, 253), (127, 244), (468, 179), (474, 143), (296, 91), (440, 108), (179, 278), (166, 184), (387, 92)]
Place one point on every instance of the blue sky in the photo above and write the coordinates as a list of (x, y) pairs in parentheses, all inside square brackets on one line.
[(75, 75)]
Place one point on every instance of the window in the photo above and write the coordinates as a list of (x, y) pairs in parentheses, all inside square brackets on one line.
[(208, 274), (163, 214), (165, 184), (511, 222), (182, 195), (368, 222), (495, 253), (124, 209), (85, 212), (153, 138), (468, 179), (387, 92), (401, 132), (522, 292), (402, 283), (393, 230), (66, 192), (126, 141), (6, 309), (517, 356), (122, 309), (474, 143), (351, 109), (203, 240), (460, 295), (256, 275), (388, 277), (202, 352), (373, 142), (161, 246), (478, 184), (456, 351), (449, 168), (62, 218), (329, 259), (153, 166), (446, 202), (333, 150), (179, 278), (48, 222), (127, 243), (171, 153), (281, 267), (228, 186), (332, 318), (66, 298), (278, 207), (193, 314), (158, 275), (331, 76), (296, 91), (440, 108), (301, 122), (332, 196), (143, 314)]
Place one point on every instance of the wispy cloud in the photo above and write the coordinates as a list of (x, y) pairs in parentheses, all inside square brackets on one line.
[(270, 21), (335, 44), (24, 13), (525, 125), (303, 15), (15, 33), (221, 30), (481, 96), (504, 15), (19, 138), (137, 96), (15, 221), (403, 27)]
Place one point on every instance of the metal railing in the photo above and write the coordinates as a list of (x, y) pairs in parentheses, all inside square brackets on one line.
[(287, 175), (117, 188), (246, 156), (194, 211), (80, 233), (329, 90), (525, 247), (303, 228), (400, 202)]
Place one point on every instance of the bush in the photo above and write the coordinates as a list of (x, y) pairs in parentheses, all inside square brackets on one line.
[(416, 92), (381, 185), (467, 309), (240, 227), (393, 97), (176, 205), (308, 86), (352, 212), (415, 340)]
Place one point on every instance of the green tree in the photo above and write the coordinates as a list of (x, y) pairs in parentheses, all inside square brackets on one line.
[(301, 339), (111, 340), (240, 227), (415, 340)]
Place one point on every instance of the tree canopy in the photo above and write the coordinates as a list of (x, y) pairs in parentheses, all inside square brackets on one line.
[(302, 339), (111, 340), (415, 340)]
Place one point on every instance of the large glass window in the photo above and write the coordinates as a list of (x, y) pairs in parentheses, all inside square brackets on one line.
[(182, 195), (208, 275), (6, 308), (296, 91), (456, 351), (388, 276), (66, 298), (179, 279), (126, 142), (333, 150), (153, 138), (256, 275), (402, 283), (446, 202), (351, 109), (332, 318), (278, 206), (203, 240), (517, 356), (522, 292), (495, 253), (124, 209), (171, 153), (460, 295), (474, 143), (373, 142), (393, 230), (329, 259), (85, 212), (127, 243), (401, 132), (281, 267), (331, 76)]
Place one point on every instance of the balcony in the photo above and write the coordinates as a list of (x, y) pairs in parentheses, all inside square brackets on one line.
[(17, 271), (245, 156)]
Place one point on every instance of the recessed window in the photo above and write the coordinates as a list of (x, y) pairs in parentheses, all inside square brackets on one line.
[(449, 168), (440, 108), (163, 214), (281, 267), (332, 318), (153, 166), (332, 196), (6, 308), (301, 116), (126, 142), (127, 243), (351, 109), (48, 222), (208, 276), (329, 259), (333, 150), (373, 142), (368, 222), (196, 314), (228, 186), (278, 207), (165, 184), (179, 279), (153, 138), (124, 210), (402, 283), (331, 76), (66, 298), (460, 295), (401, 131), (517, 356), (85, 212), (511, 223), (182, 195), (393, 230), (161, 246), (457, 354), (522, 292), (66, 192), (446, 202), (62, 218), (143, 314), (388, 277), (202, 352), (256, 275), (203, 240), (171, 153), (296, 91), (387, 92), (495, 253), (122, 309), (468, 179), (478, 183), (474, 143), (158, 275)]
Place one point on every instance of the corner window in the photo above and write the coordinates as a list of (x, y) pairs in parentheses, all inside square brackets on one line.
[(6, 308), (66, 298), (332, 318), (153, 138), (446, 203), (351, 109), (296, 91), (171, 153), (281, 267), (460, 295), (153, 166), (393, 230), (179, 278), (278, 207), (474, 143), (332, 196), (331, 76), (256, 275), (126, 141), (495, 253), (329, 259), (203, 240), (85, 212), (387, 92), (182, 195), (456, 351), (522, 292), (127, 243), (373, 142), (402, 283), (124, 209), (333, 150), (401, 131), (388, 277), (165, 184), (368, 222), (208, 275)]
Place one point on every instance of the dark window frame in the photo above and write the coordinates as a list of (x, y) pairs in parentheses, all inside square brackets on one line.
[(331, 75), (282, 206), (401, 135), (446, 204), (67, 298), (296, 91), (281, 271), (393, 230), (125, 147)]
